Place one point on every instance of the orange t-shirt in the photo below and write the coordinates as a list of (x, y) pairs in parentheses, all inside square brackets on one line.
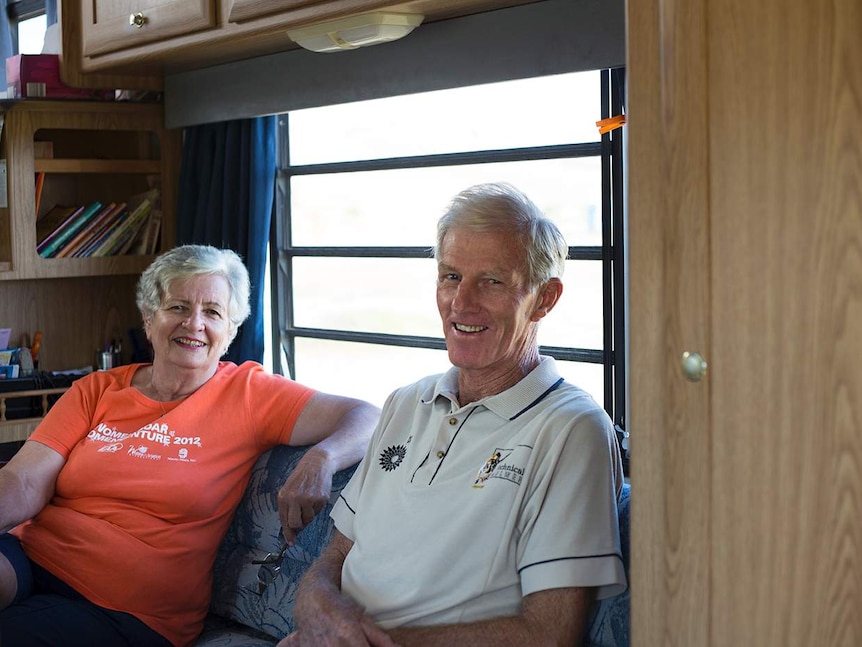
[(146, 495)]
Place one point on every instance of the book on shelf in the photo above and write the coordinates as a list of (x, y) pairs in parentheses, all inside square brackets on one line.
[(69, 229), (40, 183), (123, 240), (154, 233), (102, 234), (148, 240), (102, 219), (129, 226), (135, 241), (97, 229), (51, 224)]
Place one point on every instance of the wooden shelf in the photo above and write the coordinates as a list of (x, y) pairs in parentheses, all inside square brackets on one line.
[(102, 151), (147, 167)]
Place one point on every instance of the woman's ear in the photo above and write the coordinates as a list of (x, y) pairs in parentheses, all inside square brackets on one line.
[(147, 321), (548, 296)]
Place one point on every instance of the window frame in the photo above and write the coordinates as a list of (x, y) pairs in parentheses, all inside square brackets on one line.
[(20, 10), (611, 253)]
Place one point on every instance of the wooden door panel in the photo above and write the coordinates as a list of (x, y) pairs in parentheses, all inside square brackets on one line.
[(787, 290), (669, 312), (107, 28)]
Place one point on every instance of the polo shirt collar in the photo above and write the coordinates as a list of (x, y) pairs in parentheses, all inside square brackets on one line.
[(512, 402)]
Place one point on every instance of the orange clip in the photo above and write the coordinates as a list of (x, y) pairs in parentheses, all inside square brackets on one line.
[(611, 123), (37, 344)]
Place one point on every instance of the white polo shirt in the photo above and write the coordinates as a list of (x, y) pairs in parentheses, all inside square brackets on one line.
[(457, 513)]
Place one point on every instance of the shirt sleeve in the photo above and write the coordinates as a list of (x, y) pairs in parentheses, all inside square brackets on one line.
[(576, 490), (69, 419), (275, 403)]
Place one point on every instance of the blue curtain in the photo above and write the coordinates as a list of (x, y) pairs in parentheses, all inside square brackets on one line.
[(50, 12), (6, 45), (225, 199)]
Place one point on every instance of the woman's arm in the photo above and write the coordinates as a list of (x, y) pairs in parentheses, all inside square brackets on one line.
[(27, 483), (339, 429)]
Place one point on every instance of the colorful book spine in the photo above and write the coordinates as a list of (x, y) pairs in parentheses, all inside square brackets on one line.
[(51, 225), (106, 215), (117, 237), (70, 230)]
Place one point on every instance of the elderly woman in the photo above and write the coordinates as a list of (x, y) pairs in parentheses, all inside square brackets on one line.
[(118, 501)]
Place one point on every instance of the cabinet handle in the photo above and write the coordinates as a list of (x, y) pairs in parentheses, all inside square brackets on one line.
[(137, 19), (693, 366)]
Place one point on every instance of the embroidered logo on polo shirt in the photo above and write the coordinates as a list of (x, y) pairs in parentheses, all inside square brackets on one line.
[(392, 457), (497, 456)]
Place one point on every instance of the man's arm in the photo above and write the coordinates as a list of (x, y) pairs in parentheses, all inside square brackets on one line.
[(339, 428), (324, 616), (550, 618)]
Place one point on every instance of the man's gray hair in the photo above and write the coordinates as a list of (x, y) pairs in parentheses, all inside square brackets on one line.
[(499, 206)]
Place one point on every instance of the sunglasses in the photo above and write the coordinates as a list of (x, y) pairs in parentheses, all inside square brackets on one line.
[(270, 567)]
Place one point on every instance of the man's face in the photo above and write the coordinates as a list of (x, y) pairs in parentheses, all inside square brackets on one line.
[(489, 313)]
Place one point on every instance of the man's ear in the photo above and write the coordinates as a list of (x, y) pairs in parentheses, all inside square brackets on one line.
[(548, 296)]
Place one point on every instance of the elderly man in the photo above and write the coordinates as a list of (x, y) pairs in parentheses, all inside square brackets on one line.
[(484, 511)]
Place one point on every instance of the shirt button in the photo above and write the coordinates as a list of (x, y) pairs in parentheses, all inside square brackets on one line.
[(453, 421), (441, 454)]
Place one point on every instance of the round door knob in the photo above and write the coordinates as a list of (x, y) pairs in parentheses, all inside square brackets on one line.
[(137, 19), (693, 366)]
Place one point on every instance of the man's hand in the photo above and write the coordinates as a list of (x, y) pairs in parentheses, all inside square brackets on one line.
[(346, 627), (324, 616), (304, 494)]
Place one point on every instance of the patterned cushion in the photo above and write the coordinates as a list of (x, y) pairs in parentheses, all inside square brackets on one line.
[(221, 632), (241, 617), (254, 532), (609, 626)]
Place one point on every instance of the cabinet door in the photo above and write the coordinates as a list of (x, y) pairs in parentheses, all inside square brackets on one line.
[(786, 230), (111, 25), (747, 484), (241, 10), (670, 313)]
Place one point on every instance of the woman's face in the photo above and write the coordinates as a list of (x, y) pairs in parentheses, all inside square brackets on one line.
[(191, 328)]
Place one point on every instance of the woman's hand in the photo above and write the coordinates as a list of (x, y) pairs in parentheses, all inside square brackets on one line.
[(305, 493), (339, 429)]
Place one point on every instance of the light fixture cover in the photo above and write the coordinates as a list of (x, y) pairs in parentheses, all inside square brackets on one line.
[(355, 31)]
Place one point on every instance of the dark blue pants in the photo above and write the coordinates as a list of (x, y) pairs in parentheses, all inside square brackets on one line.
[(47, 612)]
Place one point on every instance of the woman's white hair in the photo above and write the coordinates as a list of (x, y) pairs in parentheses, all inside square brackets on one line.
[(186, 261)]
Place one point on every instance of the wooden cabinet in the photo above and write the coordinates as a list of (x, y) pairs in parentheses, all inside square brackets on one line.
[(111, 25), (242, 10), (98, 41), (745, 231), (101, 151)]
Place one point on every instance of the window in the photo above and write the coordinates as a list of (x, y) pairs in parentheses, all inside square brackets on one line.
[(360, 187), (28, 22)]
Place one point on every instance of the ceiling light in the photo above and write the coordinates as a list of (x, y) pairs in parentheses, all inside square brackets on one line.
[(355, 31)]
